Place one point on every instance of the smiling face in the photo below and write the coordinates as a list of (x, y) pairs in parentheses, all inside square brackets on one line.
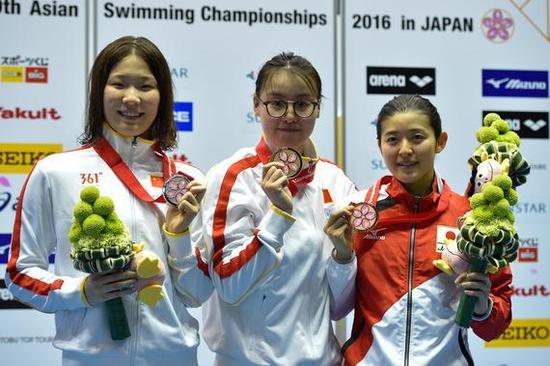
[(288, 130), (131, 98), (408, 146)]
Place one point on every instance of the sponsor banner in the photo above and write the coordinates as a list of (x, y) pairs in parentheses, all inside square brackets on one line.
[(20, 158), (400, 80), (530, 125), (524, 333), (515, 83)]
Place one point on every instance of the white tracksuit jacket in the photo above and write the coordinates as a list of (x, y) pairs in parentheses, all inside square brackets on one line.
[(165, 334), (276, 282)]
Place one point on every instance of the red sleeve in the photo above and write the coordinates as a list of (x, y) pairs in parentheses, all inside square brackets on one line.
[(501, 314)]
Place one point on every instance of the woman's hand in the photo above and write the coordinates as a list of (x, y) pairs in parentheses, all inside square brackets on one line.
[(178, 218), (275, 185), (478, 285), (338, 229), (100, 287)]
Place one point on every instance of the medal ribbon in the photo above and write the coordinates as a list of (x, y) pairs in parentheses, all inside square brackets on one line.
[(123, 172)]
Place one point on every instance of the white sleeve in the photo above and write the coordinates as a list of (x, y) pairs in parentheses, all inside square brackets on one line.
[(341, 276), (186, 256), (341, 280), (34, 240), (187, 264), (243, 238)]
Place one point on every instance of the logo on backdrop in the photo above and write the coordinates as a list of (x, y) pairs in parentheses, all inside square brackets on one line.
[(179, 72), (497, 25), (533, 291), (515, 83), (7, 301), (529, 208), (523, 333), (20, 158), (531, 125), (528, 250), (378, 164), (251, 75), (20, 69), (18, 113), (400, 80), (183, 116)]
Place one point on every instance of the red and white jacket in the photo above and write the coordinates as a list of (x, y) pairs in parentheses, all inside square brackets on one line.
[(404, 306), (276, 282), (165, 334)]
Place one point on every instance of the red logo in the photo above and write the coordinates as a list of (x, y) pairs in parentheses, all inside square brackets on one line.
[(535, 290), (36, 74), (527, 254), (22, 113)]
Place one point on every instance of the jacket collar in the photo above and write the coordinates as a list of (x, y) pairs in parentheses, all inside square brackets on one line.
[(136, 149)]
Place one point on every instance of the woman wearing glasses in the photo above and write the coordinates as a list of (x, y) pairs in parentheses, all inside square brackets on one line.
[(275, 273)]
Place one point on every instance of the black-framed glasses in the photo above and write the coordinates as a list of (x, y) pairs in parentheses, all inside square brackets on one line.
[(278, 108)]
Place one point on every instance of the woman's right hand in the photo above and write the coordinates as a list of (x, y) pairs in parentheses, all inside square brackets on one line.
[(100, 287), (339, 230), (275, 185)]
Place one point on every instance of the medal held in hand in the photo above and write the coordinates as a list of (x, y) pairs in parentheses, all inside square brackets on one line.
[(174, 188), (291, 159), (363, 217)]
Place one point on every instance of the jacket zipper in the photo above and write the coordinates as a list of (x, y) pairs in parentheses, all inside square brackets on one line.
[(412, 240), (135, 330)]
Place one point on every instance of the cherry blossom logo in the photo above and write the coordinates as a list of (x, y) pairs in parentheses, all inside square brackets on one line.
[(497, 25)]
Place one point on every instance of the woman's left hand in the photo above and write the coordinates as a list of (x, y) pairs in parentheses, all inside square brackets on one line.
[(478, 285), (179, 217)]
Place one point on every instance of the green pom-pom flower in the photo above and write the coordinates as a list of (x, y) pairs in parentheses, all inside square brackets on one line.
[(510, 137), (93, 225), (511, 196), (89, 194), (114, 227), (490, 118), (482, 213), (501, 208), (477, 200), (503, 181), (104, 206), (82, 210), (492, 193), (486, 134), (75, 232), (501, 126), (510, 216)]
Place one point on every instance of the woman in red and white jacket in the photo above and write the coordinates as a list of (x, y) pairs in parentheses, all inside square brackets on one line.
[(404, 306), (129, 126), (272, 266)]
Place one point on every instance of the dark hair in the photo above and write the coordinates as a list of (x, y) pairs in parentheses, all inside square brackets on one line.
[(163, 130), (409, 103), (298, 65)]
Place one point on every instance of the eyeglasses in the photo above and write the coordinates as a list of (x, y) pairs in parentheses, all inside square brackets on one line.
[(279, 108)]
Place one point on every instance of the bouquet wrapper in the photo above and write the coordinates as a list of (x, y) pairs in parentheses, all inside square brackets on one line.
[(467, 303), (105, 260)]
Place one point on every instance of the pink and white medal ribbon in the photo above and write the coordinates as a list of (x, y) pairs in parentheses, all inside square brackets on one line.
[(174, 188), (291, 159), (363, 217)]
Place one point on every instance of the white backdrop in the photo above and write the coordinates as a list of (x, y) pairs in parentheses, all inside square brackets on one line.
[(214, 64), (447, 44)]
